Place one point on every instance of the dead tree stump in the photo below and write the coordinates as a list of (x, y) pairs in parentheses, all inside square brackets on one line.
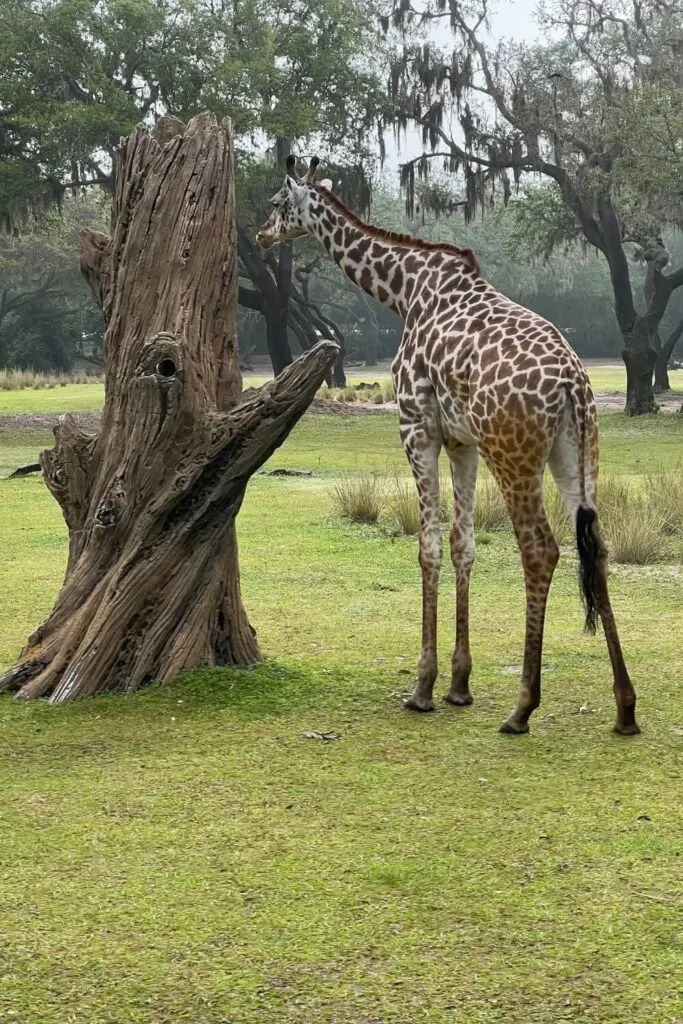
[(152, 584)]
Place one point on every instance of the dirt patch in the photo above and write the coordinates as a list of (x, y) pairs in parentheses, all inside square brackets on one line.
[(46, 421), (334, 408), (614, 401)]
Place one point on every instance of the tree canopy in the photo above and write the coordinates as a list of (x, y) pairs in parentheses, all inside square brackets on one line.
[(596, 108), (79, 74)]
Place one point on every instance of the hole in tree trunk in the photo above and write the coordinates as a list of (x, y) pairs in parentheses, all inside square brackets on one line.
[(166, 368)]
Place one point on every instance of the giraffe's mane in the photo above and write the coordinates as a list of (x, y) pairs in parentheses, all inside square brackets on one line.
[(398, 238)]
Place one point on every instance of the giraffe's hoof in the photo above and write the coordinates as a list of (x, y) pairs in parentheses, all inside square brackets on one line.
[(414, 703), (511, 728), (459, 700), (629, 729)]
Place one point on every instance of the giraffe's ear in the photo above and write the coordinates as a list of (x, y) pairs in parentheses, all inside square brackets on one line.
[(326, 183), (311, 172)]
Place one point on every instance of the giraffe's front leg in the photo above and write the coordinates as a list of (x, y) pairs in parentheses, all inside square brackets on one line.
[(422, 450)]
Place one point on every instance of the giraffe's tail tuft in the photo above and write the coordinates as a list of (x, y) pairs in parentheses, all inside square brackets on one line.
[(590, 551)]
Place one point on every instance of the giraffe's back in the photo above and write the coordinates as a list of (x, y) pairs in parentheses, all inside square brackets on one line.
[(494, 373)]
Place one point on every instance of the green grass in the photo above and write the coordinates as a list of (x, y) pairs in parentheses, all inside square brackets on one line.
[(613, 378), (186, 855), (72, 398)]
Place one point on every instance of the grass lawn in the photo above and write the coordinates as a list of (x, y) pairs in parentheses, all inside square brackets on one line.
[(90, 397), (612, 377), (187, 855), (72, 398)]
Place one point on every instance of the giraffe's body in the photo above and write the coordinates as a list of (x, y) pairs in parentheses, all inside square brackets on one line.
[(475, 374)]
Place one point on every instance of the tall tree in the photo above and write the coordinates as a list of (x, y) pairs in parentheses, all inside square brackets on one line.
[(597, 109), (78, 74)]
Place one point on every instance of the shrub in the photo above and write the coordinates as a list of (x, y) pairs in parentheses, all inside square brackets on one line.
[(665, 499), (490, 510), (377, 397), (405, 508), (359, 497), (348, 395)]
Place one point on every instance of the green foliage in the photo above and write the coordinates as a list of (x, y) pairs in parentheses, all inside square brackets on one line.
[(45, 307), (542, 223), (78, 74)]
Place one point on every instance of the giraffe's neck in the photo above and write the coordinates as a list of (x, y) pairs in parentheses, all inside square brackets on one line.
[(387, 271)]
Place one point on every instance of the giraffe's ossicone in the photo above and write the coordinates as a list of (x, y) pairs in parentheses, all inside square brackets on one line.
[(476, 375)]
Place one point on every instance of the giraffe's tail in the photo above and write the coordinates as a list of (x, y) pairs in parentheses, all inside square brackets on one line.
[(588, 541), (590, 550)]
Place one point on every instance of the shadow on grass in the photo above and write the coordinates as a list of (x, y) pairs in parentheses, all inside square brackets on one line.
[(264, 691), (96, 732), (268, 690)]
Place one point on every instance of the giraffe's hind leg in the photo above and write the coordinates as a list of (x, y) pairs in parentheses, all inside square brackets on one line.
[(540, 555), (564, 465), (464, 461)]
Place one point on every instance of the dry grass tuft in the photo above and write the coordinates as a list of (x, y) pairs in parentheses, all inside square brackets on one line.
[(634, 536), (665, 499), (556, 513), (490, 510), (615, 496), (359, 497), (388, 390), (404, 507), (19, 380)]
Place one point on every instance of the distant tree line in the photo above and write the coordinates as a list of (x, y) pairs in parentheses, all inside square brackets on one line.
[(565, 179)]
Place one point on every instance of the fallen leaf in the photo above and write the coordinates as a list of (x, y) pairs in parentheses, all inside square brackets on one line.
[(322, 736)]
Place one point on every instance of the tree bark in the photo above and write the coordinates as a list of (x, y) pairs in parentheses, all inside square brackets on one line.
[(664, 353), (274, 299), (661, 368), (152, 584), (639, 359)]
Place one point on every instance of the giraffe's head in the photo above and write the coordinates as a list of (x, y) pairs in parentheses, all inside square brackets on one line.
[(291, 204)]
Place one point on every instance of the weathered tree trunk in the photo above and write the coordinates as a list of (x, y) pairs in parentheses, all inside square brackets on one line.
[(638, 354), (152, 584), (643, 345), (663, 358), (639, 359)]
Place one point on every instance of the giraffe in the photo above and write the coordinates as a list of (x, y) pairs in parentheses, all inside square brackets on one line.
[(479, 376)]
